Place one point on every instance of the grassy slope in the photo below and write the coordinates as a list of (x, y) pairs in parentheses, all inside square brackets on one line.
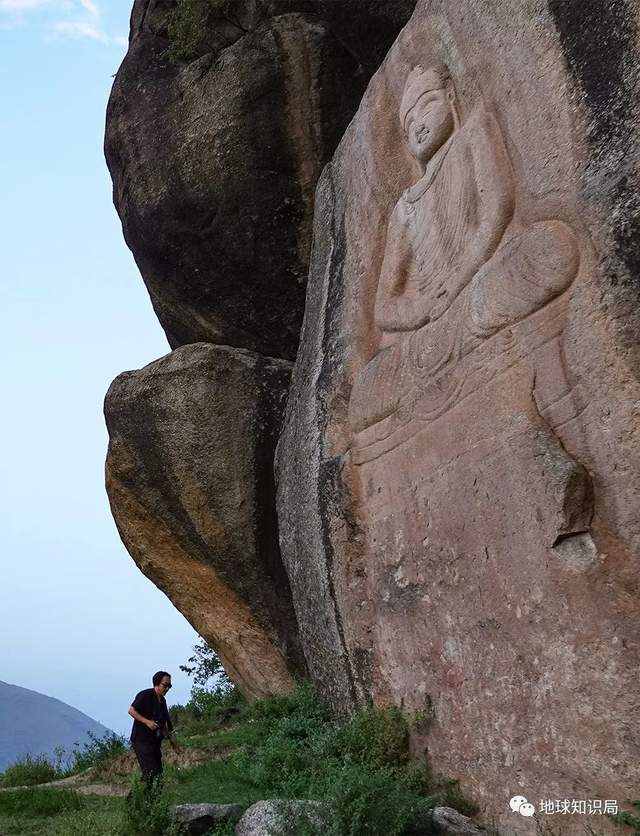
[(278, 748)]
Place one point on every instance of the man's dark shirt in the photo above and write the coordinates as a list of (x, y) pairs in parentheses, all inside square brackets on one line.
[(150, 706)]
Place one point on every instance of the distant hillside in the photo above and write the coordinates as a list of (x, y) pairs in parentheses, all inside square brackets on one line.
[(32, 723)]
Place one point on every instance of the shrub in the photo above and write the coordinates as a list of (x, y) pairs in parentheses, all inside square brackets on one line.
[(290, 747), (382, 801), (97, 751), (223, 829), (627, 819), (205, 708), (303, 702), (379, 737), (38, 801), (147, 808), (30, 771), (204, 665), (185, 28)]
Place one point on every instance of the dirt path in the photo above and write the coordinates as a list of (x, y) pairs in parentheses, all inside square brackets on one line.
[(103, 789), (117, 774), (71, 781)]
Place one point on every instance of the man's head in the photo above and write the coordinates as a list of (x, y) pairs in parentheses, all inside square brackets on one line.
[(427, 111), (162, 682)]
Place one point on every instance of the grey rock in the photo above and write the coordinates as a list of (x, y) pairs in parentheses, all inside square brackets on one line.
[(450, 821), (198, 819), (215, 160), (190, 482), (277, 817)]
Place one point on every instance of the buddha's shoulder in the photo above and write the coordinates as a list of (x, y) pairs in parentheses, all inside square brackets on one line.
[(481, 120)]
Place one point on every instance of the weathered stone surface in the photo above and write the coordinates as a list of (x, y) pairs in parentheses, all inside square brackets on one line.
[(277, 817), (448, 820), (198, 819), (214, 162), (458, 477), (190, 482)]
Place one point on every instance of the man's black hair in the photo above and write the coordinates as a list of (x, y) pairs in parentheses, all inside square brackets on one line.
[(157, 677)]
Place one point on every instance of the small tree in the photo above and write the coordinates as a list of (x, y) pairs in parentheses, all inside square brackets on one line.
[(204, 666)]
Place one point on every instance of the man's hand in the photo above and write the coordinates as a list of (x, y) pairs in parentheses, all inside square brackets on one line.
[(151, 724)]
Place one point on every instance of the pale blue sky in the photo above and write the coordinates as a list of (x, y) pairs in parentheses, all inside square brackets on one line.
[(79, 622)]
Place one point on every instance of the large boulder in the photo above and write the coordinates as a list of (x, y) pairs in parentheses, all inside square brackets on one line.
[(198, 819), (215, 157), (190, 482), (284, 817), (459, 475)]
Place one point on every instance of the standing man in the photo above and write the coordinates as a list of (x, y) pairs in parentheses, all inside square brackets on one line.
[(151, 723)]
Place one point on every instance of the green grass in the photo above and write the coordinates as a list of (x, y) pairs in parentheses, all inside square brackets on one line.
[(38, 801), (628, 819), (95, 753), (29, 771), (289, 747), (205, 710), (283, 747), (96, 817)]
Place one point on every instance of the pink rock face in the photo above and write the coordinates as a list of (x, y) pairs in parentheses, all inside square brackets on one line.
[(462, 433)]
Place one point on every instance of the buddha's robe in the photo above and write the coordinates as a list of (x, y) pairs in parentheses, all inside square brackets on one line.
[(447, 236)]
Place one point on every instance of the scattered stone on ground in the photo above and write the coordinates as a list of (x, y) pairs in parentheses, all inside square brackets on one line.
[(277, 817), (450, 821), (198, 819), (119, 790)]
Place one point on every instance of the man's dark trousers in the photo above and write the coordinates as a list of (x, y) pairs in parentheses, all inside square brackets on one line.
[(149, 755)]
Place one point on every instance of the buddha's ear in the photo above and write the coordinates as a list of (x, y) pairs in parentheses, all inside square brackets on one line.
[(451, 93)]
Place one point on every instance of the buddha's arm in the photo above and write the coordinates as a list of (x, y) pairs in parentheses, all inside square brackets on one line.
[(495, 194), (395, 307)]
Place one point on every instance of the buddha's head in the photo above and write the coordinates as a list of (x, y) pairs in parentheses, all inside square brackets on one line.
[(428, 113)]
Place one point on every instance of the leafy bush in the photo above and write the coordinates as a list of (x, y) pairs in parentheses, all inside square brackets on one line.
[(223, 829), (627, 819), (185, 28), (361, 767), (204, 665), (205, 709), (147, 808), (379, 738), (383, 801), (209, 701), (30, 771), (97, 751), (303, 702), (38, 801)]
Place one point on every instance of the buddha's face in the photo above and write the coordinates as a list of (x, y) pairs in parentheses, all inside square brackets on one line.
[(429, 124)]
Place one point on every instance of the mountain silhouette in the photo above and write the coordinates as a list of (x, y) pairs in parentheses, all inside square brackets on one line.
[(34, 724)]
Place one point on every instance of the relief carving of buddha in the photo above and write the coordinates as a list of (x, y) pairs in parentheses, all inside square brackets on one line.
[(459, 263)]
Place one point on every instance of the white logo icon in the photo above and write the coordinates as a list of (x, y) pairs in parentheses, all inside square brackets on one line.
[(519, 804)]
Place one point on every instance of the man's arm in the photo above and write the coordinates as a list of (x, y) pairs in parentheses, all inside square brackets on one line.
[(169, 729), (150, 724)]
